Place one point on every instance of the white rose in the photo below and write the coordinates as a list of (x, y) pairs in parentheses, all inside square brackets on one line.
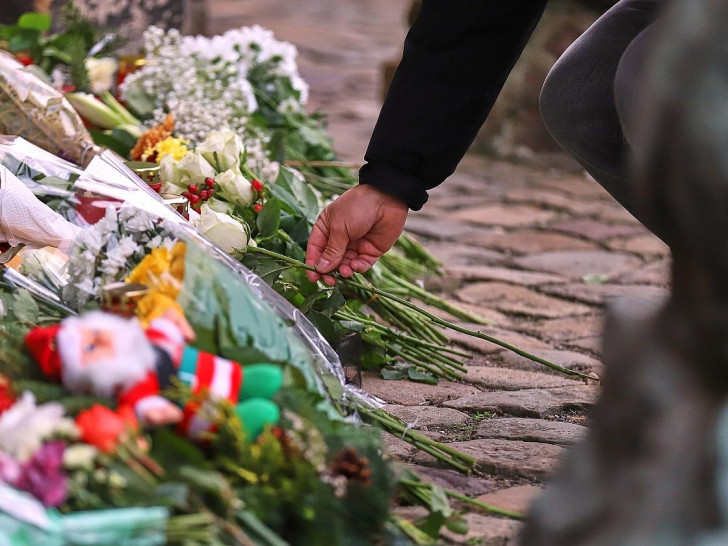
[(227, 145), (170, 176), (223, 230), (193, 165), (101, 73), (235, 187), (80, 456), (220, 206)]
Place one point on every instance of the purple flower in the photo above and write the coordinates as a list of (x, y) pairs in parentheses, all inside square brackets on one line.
[(42, 476)]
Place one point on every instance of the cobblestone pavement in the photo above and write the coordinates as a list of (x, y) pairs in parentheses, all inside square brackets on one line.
[(538, 248)]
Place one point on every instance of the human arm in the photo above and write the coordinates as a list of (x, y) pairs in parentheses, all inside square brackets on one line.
[(457, 57)]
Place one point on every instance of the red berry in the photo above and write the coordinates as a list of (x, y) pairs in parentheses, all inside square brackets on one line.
[(204, 195), (210, 192), (192, 188), (186, 194), (194, 199), (209, 182), (258, 207), (257, 184)]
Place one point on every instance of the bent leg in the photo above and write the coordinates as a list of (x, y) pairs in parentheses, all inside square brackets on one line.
[(578, 97)]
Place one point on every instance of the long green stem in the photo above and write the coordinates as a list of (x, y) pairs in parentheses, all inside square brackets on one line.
[(468, 331), (402, 336), (463, 462), (459, 496), (437, 320), (440, 303)]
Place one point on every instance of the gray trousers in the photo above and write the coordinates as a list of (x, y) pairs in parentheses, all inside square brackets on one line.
[(588, 99)]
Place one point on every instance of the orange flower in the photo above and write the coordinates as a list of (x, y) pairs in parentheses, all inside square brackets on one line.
[(103, 428), (150, 138)]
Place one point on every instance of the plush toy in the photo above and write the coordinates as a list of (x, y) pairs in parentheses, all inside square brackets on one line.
[(107, 355)]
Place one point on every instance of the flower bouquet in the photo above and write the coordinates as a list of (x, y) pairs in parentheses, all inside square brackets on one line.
[(146, 368)]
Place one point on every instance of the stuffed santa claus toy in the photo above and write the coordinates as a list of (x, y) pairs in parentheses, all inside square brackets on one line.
[(107, 355)]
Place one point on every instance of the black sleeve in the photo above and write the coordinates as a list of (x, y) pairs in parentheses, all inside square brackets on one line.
[(457, 57)]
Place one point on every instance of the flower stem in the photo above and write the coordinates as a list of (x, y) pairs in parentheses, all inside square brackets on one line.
[(417, 486), (437, 320)]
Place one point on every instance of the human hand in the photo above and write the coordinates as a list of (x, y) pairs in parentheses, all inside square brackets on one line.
[(353, 232)]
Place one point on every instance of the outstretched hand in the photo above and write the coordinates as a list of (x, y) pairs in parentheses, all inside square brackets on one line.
[(353, 232)]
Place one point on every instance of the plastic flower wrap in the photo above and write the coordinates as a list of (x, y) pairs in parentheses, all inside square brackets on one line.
[(31, 108)]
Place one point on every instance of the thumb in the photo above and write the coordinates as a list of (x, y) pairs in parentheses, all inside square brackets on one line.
[(334, 251)]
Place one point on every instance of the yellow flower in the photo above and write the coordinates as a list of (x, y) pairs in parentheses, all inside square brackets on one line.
[(162, 271), (175, 147)]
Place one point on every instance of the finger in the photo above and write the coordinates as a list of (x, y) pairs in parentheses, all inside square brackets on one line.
[(364, 262), (345, 269), (360, 266), (329, 279), (316, 245), (312, 276), (317, 241), (334, 251)]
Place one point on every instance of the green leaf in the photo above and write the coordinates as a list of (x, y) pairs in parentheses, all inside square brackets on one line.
[(333, 303), (421, 377), (36, 21), (310, 300), (457, 525), (392, 373), (171, 450), (333, 385), (438, 501), (269, 219), (296, 194), (324, 325), (139, 102), (24, 39), (431, 524), (24, 307), (112, 141)]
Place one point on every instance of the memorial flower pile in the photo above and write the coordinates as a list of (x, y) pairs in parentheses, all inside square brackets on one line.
[(168, 375)]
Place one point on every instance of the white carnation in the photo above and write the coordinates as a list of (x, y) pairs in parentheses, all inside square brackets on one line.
[(25, 426)]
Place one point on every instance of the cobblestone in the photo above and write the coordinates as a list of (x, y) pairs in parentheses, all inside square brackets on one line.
[(511, 380), (506, 457), (531, 430), (504, 215), (528, 402), (512, 299), (578, 264), (515, 499)]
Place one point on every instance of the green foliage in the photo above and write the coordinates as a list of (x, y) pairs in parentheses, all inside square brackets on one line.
[(69, 49), (280, 478)]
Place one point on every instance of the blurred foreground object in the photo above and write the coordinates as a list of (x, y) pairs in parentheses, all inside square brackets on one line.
[(654, 467)]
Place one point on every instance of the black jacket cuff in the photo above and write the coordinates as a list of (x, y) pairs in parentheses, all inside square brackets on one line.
[(404, 186)]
